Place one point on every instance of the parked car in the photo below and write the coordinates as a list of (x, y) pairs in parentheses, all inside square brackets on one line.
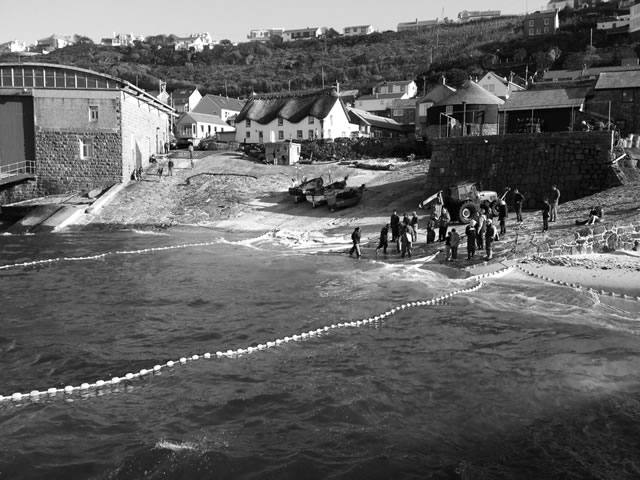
[(186, 141), (208, 143)]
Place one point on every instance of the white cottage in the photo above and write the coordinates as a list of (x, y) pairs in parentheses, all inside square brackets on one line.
[(293, 116)]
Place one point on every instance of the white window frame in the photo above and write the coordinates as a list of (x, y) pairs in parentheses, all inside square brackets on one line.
[(311, 120), (248, 122), (299, 134), (280, 134), (93, 113), (86, 148), (280, 121)]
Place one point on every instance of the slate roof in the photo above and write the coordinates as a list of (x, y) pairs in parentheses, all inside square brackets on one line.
[(182, 92), (472, 94), (618, 80), (546, 99), (201, 118), (367, 118), (291, 106), (213, 103)]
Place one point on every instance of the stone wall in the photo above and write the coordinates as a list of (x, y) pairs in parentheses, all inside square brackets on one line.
[(598, 238), (578, 163), (60, 168), (18, 193)]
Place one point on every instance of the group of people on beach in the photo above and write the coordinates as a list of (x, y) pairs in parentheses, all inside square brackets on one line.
[(481, 232)]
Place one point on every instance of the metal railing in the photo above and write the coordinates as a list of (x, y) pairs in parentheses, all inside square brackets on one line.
[(25, 167)]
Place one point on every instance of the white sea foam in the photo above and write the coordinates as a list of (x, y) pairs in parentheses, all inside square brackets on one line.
[(176, 446)]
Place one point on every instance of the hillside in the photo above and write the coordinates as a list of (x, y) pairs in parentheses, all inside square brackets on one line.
[(457, 51)]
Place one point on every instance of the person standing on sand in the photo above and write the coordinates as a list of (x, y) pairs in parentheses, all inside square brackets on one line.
[(455, 242), (160, 170), (555, 199), (170, 167), (489, 237), (481, 228), (431, 228), (471, 239), (546, 209), (395, 226), (384, 239), (443, 224), (191, 154), (355, 238), (408, 235), (414, 222), (447, 247), (518, 200), (502, 216)]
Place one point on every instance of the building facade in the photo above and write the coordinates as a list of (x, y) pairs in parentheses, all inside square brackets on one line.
[(81, 129), (264, 34), (417, 25), (541, 23), (303, 34), (469, 16), (358, 30)]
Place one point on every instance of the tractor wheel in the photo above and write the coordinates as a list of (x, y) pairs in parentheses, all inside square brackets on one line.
[(466, 212), (493, 208)]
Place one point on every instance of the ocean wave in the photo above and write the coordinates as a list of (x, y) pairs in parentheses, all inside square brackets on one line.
[(176, 446)]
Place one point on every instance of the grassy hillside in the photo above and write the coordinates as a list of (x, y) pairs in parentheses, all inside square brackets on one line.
[(458, 51)]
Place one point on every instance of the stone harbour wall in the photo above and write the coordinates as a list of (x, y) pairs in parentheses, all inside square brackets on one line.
[(60, 167), (578, 163)]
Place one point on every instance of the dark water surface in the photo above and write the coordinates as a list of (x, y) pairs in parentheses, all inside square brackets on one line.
[(520, 379)]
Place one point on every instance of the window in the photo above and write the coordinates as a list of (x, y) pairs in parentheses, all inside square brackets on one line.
[(311, 120), (248, 134), (310, 134), (280, 121), (93, 113), (397, 112), (260, 136), (627, 96), (299, 134), (248, 122), (330, 119), (346, 30), (490, 88), (402, 88), (86, 148), (546, 29), (531, 31), (531, 23), (280, 134), (449, 110), (546, 21)]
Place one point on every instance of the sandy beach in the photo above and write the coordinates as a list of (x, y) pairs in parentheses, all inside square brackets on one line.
[(228, 191)]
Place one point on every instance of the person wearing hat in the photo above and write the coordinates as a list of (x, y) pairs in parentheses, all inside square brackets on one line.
[(489, 237), (355, 238), (384, 239)]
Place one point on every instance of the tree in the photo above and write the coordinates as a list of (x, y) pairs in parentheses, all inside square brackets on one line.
[(82, 40)]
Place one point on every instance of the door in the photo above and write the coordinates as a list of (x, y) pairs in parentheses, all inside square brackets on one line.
[(17, 139)]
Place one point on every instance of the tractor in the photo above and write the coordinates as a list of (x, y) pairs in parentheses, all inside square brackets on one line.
[(464, 201)]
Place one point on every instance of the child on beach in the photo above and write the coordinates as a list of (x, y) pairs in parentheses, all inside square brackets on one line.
[(546, 210)]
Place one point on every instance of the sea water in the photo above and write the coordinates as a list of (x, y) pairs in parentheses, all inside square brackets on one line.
[(519, 379)]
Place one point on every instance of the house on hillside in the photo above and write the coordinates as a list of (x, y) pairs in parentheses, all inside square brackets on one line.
[(121, 40), (541, 23), (303, 34), (634, 22), (76, 129), (185, 99), (374, 126), (469, 16), (615, 98), (264, 34), (13, 46), (222, 107), (195, 42), (349, 97), (591, 73), (544, 110), (417, 25), (470, 110), (500, 86), (51, 43), (305, 115), (358, 30), (198, 126), (435, 95), (384, 94)]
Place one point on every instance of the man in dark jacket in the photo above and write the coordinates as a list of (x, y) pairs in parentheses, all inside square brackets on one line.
[(395, 226), (555, 199), (355, 238), (384, 239), (518, 200)]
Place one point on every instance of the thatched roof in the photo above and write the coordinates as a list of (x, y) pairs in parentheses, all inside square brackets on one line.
[(472, 94), (291, 106)]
